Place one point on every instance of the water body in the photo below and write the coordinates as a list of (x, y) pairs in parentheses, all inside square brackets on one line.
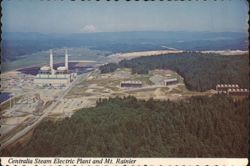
[(4, 96), (72, 67), (42, 58)]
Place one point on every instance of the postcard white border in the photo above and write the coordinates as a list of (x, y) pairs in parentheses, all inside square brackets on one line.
[(31, 161)]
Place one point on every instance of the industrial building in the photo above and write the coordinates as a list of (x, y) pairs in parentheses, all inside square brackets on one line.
[(232, 90), (55, 77), (238, 92), (223, 88), (171, 81), (131, 84)]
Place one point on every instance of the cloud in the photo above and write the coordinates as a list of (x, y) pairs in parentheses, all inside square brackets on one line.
[(89, 29)]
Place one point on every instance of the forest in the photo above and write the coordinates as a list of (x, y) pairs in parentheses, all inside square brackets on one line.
[(200, 71), (199, 126)]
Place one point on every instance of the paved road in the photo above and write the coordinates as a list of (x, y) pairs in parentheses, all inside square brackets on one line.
[(46, 112)]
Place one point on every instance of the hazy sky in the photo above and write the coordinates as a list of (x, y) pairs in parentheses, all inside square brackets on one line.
[(92, 16)]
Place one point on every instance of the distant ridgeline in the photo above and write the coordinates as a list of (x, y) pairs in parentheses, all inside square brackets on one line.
[(127, 127), (16, 44), (200, 71)]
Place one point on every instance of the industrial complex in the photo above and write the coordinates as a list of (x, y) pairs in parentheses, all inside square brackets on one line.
[(48, 76), (56, 91), (223, 88), (232, 90)]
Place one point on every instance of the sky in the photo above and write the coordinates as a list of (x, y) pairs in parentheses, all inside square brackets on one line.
[(77, 16)]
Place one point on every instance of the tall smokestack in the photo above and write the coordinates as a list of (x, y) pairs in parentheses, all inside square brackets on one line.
[(51, 62), (66, 59)]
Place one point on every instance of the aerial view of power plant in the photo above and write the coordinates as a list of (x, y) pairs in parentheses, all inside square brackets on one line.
[(49, 76), (159, 79)]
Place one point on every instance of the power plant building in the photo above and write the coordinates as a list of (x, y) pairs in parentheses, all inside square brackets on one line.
[(232, 90), (223, 88), (59, 77), (131, 84), (171, 81), (238, 92)]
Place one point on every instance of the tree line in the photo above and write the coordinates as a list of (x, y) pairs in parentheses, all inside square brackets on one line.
[(127, 127)]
